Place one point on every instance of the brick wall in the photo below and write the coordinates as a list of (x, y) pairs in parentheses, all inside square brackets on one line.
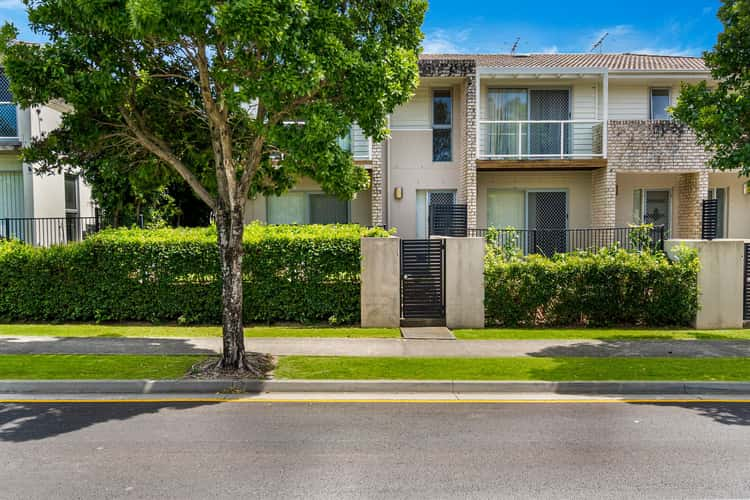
[(692, 190), (377, 187), (468, 179), (603, 194), (653, 145)]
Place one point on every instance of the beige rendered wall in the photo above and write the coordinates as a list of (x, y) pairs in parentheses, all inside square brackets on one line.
[(411, 165), (738, 206), (627, 183), (464, 282), (380, 301), (359, 207), (719, 281), (577, 184)]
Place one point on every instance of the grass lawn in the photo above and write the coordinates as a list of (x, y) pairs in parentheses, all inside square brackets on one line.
[(599, 333), (79, 366), (89, 330), (551, 369)]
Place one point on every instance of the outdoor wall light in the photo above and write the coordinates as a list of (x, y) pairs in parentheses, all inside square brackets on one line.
[(398, 193)]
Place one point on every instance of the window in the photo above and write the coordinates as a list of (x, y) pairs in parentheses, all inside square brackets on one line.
[(720, 194), (306, 208), (345, 142), (659, 103), (442, 111), (8, 118), (652, 206), (72, 214)]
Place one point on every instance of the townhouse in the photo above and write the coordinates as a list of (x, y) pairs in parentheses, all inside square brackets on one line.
[(60, 203), (534, 141)]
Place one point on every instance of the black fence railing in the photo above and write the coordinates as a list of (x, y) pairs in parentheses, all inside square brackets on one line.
[(448, 220), (551, 241), (710, 219), (49, 231)]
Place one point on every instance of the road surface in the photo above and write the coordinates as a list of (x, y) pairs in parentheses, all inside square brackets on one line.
[(374, 450)]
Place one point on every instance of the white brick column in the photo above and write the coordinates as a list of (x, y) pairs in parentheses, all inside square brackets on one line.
[(603, 197), (377, 181), (468, 181)]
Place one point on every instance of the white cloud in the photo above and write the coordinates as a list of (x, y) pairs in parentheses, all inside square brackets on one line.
[(11, 4), (440, 41), (551, 50)]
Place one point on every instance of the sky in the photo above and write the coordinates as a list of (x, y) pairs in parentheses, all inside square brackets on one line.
[(675, 27)]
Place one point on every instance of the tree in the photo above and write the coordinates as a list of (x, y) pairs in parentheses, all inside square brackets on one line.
[(720, 114), (239, 97)]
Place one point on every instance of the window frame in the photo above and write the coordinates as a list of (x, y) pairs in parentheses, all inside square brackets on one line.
[(308, 206), (670, 205), (651, 102), (442, 126), (724, 209)]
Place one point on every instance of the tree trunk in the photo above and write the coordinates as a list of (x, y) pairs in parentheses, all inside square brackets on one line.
[(229, 225)]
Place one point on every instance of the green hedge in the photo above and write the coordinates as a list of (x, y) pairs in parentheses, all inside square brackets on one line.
[(292, 273), (609, 287)]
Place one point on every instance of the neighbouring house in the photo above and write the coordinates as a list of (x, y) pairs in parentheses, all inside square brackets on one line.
[(534, 141), (39, 209)]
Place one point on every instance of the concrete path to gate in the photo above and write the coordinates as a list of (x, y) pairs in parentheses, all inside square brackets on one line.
[(382, 347)]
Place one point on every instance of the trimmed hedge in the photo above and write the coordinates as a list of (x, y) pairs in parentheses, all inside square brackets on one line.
[(292, 273), (608, 287)]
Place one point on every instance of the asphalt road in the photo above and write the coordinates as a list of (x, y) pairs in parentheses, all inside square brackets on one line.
[(345, 450)]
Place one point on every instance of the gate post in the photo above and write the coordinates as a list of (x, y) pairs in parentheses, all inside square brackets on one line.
[(721, 281), (380, 295), (464, 282)]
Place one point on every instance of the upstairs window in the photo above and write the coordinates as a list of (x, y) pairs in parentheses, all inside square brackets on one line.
[(659, 104), (442, 117)]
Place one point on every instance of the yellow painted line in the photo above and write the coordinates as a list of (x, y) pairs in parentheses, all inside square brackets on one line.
[(376, 401)]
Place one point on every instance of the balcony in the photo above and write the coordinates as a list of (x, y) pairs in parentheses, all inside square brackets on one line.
[(540, 143)]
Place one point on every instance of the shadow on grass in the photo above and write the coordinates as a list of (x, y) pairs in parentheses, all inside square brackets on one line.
[(102, 345), (20, 422)]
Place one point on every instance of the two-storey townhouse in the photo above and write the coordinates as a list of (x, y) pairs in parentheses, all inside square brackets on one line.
[(535, 141), (60, 202)]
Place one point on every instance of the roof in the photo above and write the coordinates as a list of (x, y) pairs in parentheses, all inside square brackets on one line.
[(613, 62)]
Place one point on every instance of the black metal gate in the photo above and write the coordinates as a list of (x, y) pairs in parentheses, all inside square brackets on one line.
[(423, 282), (746, 287)]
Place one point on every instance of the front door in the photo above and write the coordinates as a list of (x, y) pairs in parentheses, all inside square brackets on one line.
[(548, 214)]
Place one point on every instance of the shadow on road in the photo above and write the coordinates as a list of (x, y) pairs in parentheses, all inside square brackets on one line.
[(20, 422), (102, 345), (721, 412)]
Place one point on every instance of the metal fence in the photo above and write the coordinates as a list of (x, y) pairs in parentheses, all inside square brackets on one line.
[(49, 231), (551, 241), (447, 220)]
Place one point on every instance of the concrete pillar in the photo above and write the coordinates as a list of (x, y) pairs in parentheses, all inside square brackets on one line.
[(464, 282), (603, 197), (720, 281), (380, 305), (693, 189)]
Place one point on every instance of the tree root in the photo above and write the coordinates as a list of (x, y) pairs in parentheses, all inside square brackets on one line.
[(254, 365)]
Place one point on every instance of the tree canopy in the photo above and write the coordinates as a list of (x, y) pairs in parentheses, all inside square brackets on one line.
[(238, 97), (719, 112)]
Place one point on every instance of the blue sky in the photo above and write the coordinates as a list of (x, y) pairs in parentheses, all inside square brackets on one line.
[(686, 27)]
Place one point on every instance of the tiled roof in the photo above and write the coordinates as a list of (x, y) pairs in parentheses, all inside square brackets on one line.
[(613, 62)]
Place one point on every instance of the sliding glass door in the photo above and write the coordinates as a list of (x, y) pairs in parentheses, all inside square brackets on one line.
[(504, 105)]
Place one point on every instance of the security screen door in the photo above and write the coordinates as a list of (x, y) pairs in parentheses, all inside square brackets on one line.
[(544, 138), (548, 213)]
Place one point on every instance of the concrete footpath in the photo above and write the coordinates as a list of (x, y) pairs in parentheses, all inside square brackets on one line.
[(383, 347)]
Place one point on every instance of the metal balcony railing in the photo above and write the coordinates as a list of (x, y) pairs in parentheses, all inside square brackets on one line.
[(540, 139)]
